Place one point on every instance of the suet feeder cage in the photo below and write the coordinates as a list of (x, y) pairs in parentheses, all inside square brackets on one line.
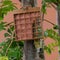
[(27, 24)]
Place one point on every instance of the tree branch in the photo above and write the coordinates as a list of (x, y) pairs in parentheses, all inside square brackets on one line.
[(8, 47), (49, 22), (53, 6), (9, 24)]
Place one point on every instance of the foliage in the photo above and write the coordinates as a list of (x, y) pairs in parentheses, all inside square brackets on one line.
[(44, 5), (54, 35), (48, 3), (56, 27), (5, 7), (51, 33), (11, 48), (2, 26)]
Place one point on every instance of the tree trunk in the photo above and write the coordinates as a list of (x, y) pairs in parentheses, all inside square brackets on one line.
[(59, 20), (29, 48), (59, 29)]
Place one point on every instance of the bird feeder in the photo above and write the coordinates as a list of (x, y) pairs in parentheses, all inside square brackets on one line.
[(27, 23)]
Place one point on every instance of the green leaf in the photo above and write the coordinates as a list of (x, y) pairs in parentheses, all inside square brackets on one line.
[(55, 36), (13, 34), (46, 34), (12, 28), (56, 27), (7, 2), (9, 31), (7, 35), (52, 34), (21, 43), (1, 17), (7, 6), (2, 26), (43, 7), (2, 44), (4, 58), (47, 49), (15, 53)]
